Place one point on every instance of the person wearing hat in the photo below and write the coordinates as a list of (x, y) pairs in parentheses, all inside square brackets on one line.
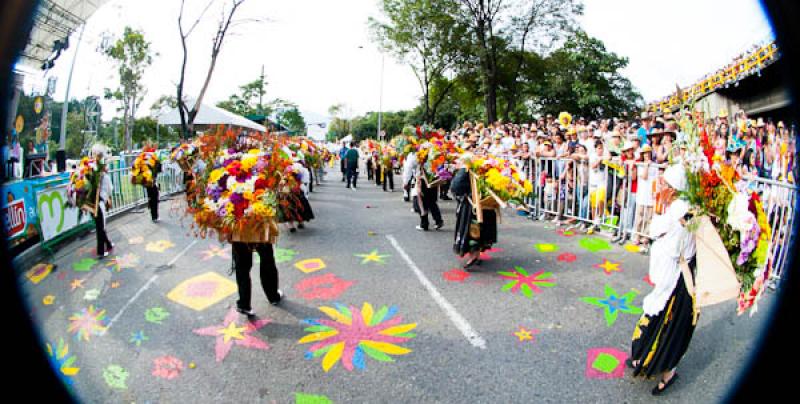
[(584, 139), (664, 148), (664, 331), (628, 198)]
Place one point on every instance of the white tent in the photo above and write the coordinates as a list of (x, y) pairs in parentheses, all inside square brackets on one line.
[(210, 115), (55, 20)]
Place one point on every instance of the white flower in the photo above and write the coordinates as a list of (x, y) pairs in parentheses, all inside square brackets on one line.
[(231, 183), (739, 217)]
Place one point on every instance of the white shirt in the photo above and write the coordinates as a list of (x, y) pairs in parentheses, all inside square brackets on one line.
[(672, 241), (507, 142), (596, 177), (409, 167)]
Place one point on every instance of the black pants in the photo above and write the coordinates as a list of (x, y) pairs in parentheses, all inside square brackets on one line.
[(352, 176), (311, 180), (369, 170), (444, 189), (378, 169), (344, 168), (388, 177), (152, 201), (268, 272), (100, 228), (430, 206)]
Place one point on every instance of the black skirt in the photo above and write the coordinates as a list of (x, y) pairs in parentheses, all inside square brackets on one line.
[(306, 213), (660, 341), (464, 243)]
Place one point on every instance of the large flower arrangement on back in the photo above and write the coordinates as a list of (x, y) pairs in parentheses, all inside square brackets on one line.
[(84, 183), (240, 191), (143, 169), (715, 189), (502, 177)]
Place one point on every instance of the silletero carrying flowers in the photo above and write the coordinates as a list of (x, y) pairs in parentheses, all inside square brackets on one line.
[(240, 199), (144, 168), (84, 183), (500, 179)]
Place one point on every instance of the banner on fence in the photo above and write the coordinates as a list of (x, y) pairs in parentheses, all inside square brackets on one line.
[(54, 217), (19, 212)]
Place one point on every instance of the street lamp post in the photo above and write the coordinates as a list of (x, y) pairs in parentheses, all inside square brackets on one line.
[(380, 98)]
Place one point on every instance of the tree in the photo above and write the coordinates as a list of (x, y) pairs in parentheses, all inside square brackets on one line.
[(293, 120), (250, 100), (499, 25), (584, 78), (188, 115), (426, 35), (536, 24), (341, 124), (133, 55)]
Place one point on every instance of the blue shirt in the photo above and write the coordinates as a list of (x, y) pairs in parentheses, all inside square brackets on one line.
[(642, 134), (342, 152)]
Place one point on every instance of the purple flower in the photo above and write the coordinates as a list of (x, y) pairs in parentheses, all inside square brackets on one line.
[(221, 212), (223, 181), (236, 198)]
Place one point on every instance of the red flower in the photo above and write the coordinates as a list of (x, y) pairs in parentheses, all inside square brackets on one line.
[(234, 168), (261, 183)]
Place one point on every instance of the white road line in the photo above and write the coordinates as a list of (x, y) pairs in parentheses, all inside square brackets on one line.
[(143, 288), (451, 312)]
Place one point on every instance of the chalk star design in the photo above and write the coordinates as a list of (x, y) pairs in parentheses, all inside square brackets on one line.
[(138, 337), (526, 335), (613, 304), (520, 280), (608, 267), (373, 256), (76, 283), (48, 300), (215, 251), (229, 333)]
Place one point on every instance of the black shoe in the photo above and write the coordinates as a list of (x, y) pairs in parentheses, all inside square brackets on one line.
[(248, 313), (292, 230), (420, 228), (301, 226), (658, 391), (439, 225), (275, 303)]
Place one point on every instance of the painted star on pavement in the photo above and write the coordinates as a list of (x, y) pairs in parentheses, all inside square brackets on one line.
[(608, 267), (613, 304), (229, 334), (526, 335), (138, 337), (373, 256), (76, 283)]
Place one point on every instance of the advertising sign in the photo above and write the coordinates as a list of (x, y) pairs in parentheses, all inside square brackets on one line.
[(19, 212), (54, 217)]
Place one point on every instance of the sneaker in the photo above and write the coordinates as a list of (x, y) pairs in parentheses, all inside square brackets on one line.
[(542, 217), (275, 303), (354, 188), (105, 254), (156, 220), (420, 228), (439, 225), (248, 313)]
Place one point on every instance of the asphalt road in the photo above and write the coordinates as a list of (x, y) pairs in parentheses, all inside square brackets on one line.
[(472, 341)]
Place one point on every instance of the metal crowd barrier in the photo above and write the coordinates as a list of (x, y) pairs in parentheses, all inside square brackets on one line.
[(127, 196), (602, 199)]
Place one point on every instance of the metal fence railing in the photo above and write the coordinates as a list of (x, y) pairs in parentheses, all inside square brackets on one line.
[(605, 200), (126, 195)]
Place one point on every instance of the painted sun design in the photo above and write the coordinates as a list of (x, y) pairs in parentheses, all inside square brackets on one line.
[(87, 322), (62, 361), (351, 334)]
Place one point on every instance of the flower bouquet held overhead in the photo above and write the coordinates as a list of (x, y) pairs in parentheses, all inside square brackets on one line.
[(84, 183)]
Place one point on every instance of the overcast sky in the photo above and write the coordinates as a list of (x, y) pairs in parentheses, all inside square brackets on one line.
[(310, 49)]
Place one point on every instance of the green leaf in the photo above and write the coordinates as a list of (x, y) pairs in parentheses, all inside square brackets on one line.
[(545, 275), (611, 318), (509, 285), (322, 351), (406, 335), (511, 274), (522, 271), (379, 315), (68, 363)]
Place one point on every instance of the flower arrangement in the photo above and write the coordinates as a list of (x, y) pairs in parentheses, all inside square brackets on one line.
[(144, 169), (84, 183), (738, 217), (184, 155), (564, 119), (501, 177)]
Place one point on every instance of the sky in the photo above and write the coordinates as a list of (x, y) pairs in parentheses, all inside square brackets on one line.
[(317, 53)]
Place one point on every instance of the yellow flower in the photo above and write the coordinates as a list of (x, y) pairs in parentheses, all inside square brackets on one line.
[(528, 187), (254, 151), (229, 209), (215, 175), (248, 196), (249, 162)]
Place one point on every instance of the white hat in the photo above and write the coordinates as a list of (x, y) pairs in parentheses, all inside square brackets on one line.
[(675, 176)]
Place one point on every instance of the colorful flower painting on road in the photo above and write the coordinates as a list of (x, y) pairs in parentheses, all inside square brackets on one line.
[(215, 252), (123, 262), (524, 334), (594, 244), (456, 275), (612, 304), (608, 267), (159, 246), (351, 334), (567, 257), (87, 322), (284, 255), (521, 281), (167, 367), (39, 272), (202, 291), (156, 315), (546, 248), (116, 377), (310, 265), (231, 333)]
